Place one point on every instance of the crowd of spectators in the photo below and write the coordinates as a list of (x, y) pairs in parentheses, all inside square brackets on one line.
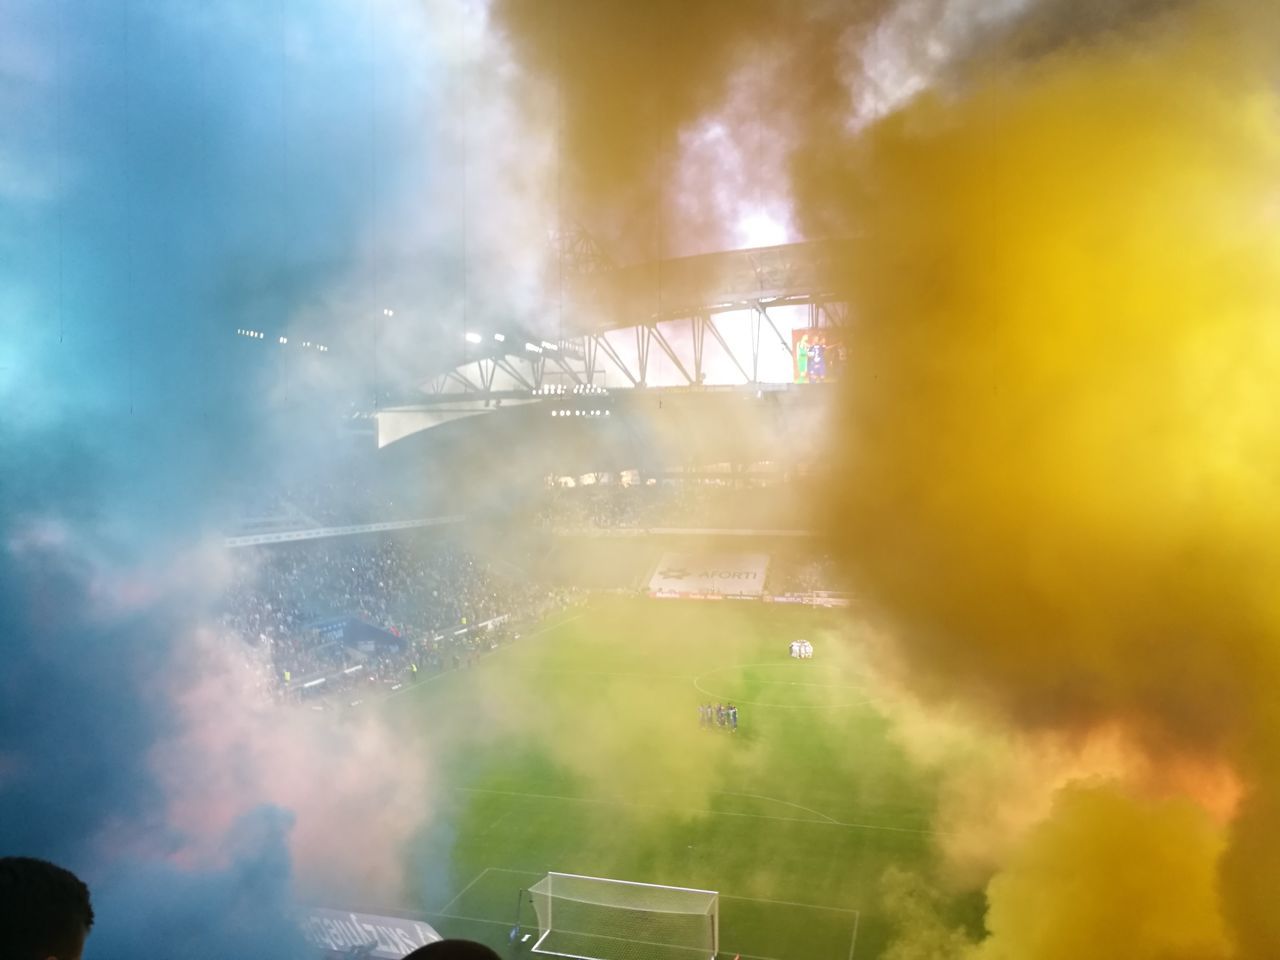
[(803, 573), (382, 608), (326, 500), (669, 504)]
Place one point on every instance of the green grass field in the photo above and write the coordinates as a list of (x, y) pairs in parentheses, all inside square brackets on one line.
[(577, 749)]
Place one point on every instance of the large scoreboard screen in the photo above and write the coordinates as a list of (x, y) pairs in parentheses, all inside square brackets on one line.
[(818, 354)]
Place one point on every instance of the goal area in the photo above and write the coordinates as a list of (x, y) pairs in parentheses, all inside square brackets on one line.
[(598, 918)]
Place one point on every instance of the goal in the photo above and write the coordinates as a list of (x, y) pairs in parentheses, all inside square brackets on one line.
[(596, 918)]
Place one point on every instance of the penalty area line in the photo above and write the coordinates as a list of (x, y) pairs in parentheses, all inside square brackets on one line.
[(785, 803), (444, 911), (882, 828)]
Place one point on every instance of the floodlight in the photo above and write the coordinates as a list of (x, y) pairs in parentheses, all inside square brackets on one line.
[(473, 337)]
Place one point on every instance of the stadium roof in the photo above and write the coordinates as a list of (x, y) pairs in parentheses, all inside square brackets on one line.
[(715, 320)]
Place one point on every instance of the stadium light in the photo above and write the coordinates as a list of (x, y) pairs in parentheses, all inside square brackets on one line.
[(499, 337), (548, 345), (284, 340), (388, 313), (473, 337), (532, 347)]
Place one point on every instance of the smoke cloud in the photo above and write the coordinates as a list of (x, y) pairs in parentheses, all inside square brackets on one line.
[(1057, 487), (1057, 490), (1057, 484), (170, 174)]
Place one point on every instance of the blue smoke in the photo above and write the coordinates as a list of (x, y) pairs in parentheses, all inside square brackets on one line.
[(169, 172)]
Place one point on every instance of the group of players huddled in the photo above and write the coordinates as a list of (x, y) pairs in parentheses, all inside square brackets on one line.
[(720, 715), (802, 649)]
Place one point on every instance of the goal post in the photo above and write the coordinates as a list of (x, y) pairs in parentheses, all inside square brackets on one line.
[(599, 918)]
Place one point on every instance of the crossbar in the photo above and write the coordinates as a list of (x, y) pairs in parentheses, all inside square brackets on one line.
[(633, 883)]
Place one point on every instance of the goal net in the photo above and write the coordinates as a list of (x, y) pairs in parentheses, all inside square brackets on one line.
[(595, 918)]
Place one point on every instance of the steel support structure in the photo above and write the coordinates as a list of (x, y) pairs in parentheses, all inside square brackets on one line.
[(603, 343), (579, 361), (656, 335)]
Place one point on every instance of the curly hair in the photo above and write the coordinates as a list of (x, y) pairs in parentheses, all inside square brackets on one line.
[(44, 909)]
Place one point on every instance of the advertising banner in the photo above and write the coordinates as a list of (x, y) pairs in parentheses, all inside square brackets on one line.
[(710, 575), (344, 932)]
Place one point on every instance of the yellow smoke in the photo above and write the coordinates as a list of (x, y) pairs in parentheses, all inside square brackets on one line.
[(1082, 885), (1060, 484)]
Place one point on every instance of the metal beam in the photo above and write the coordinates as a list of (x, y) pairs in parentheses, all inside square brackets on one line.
[(754, 323), (774, 327), (563, 365), (699, 327), (468, 386), (603, 343), (589, 351), (715, 332), (515, 374), (666, 348), (643, 342)]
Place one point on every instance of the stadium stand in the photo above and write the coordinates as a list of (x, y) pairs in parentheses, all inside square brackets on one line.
[(339, 611)]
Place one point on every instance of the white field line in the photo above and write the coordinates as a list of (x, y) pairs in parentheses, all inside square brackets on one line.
[(706, 813), (457, 916), (637, 674), (605, 936), (862, 688), (854, 941), (496, 822), (505, 923), (727, 896), (476, 879), (790, 903), (791, 663), (444, 673), (785, 803)]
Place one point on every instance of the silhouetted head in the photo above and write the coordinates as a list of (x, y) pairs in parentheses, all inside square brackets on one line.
[(453, 950), (44, 910)]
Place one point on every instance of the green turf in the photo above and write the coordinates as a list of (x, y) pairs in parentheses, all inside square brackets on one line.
[(577, 749)]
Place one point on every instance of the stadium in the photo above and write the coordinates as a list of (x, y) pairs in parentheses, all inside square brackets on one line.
[(639, 481), (573, 586)]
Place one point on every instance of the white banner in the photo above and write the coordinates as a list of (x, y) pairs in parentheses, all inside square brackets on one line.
[(710, 574), (343, 931)]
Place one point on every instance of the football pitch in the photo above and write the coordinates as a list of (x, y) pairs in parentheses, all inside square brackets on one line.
[(578, 749)]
